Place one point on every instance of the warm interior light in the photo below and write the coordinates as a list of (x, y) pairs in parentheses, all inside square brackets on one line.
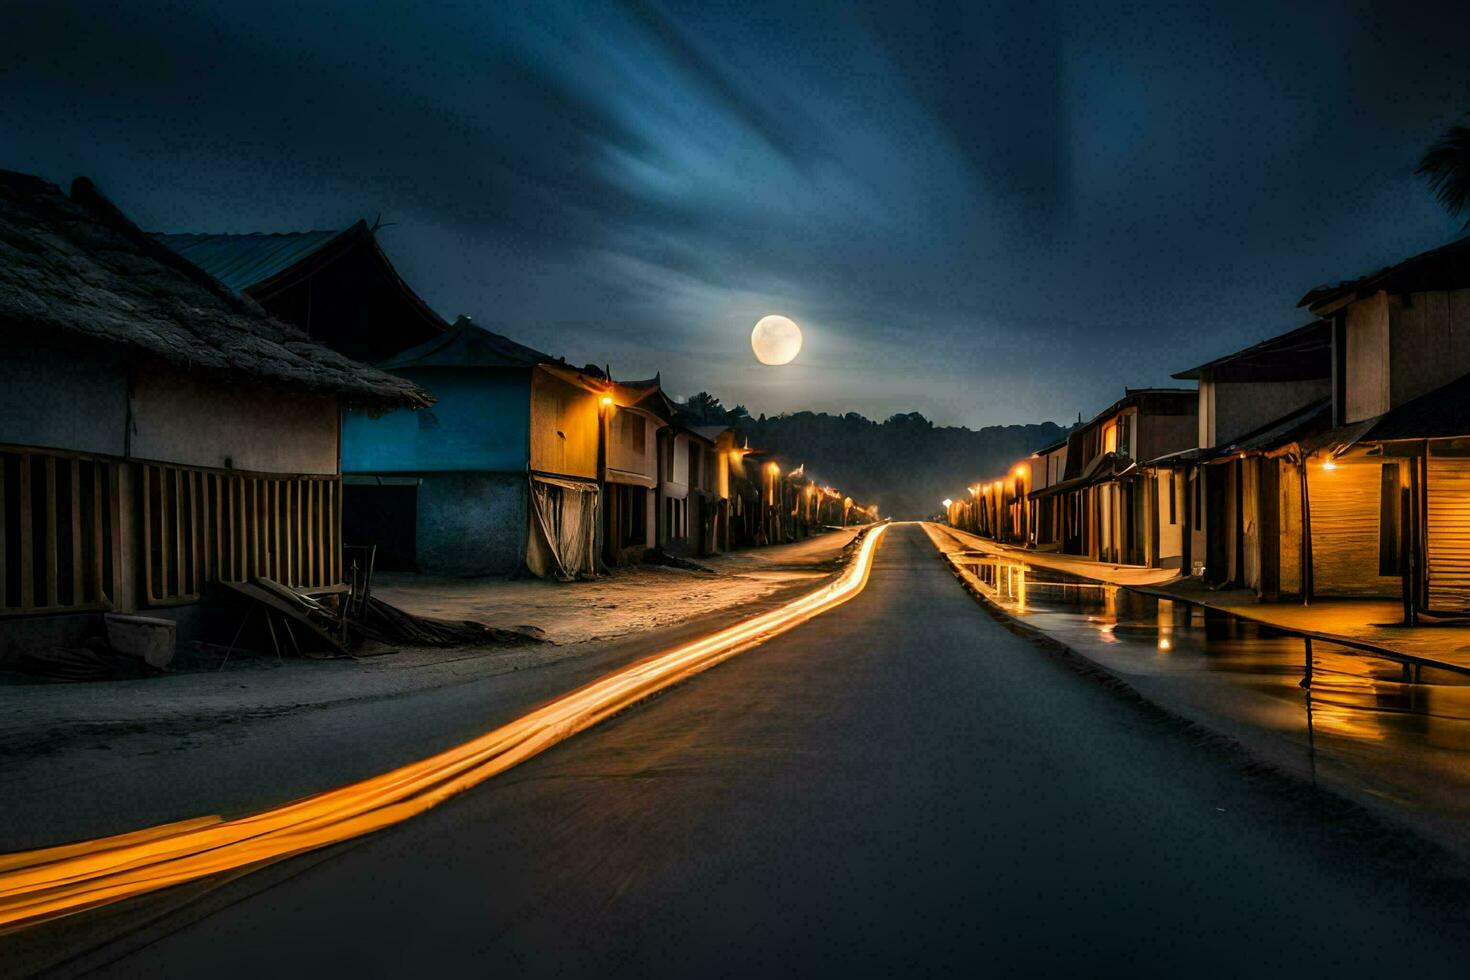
[(1329, 465), (606, 401)]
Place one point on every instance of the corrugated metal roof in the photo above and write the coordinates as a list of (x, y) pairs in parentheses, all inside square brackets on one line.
[(241, 261), (1297, 355), (468, 345), (1445, 267)]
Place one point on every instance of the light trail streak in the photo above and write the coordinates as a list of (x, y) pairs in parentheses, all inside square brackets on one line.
[(44, 884)]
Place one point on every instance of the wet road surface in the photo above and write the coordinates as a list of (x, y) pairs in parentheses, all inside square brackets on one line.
[(899, 786), (1363, 725)]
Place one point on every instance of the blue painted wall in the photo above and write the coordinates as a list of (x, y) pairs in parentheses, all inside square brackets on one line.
[(481, 423)]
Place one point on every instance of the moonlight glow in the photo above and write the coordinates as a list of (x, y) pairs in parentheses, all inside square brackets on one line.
[(776, 340)]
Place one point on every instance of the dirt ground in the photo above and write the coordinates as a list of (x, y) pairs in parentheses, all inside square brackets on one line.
[(632, 599), (208, 741)]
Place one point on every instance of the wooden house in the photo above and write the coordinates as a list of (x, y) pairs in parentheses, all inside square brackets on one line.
[(693, 490), (338, 286), (1384, 509), (1046, 467), (501, 475), (158, 432), (1236, 492), (636, 412), (1109, 508), (746, 507), (722, 440)]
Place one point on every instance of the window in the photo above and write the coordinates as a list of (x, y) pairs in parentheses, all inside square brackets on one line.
[(1389, 538), (1110, 437), (635, 435), (633, 515)]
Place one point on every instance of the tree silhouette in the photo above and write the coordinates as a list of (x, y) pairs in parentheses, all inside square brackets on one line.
[(1446, 167)]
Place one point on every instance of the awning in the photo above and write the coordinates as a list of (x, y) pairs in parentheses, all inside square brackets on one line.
[(566, 482)]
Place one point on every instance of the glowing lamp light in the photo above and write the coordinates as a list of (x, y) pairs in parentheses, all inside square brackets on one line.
[(947, 502), (607, 401), (1329, 465)]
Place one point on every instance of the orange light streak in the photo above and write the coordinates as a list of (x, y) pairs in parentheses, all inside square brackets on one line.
[(56, 881)]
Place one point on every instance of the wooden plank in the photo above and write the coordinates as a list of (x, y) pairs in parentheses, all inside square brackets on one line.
[(53, 587), (235, 488), (147, 498), (253, 524), (283, 555), (273, 528), (191, 525), (77, 597), (200, 498), (334, 554), (312, 578), (301, 568), (178, 524), (4, 585), (297, 576), (321, 534), (114, 511), (292, 606), (209, 495), (98, 592)]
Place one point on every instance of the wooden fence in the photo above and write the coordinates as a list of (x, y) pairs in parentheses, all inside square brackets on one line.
[(61, 531), (58, 532), (201, 526)]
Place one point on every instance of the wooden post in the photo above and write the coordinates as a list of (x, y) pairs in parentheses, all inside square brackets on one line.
[(4, 585), (53, 590), (148, 569), (1419, 481), (178, 523), (1408, 564), (124, 543), (76, 532), (1306, 532), (1306, 681), (97, 543)]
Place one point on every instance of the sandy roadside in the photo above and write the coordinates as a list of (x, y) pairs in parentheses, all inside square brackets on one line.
[(261, 731)]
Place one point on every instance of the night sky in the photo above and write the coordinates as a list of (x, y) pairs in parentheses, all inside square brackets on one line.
[(987, 213)]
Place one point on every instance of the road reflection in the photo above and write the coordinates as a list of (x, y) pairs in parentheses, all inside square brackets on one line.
[(1403, 738)]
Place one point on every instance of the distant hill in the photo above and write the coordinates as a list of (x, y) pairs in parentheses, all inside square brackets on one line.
[(906, 464)]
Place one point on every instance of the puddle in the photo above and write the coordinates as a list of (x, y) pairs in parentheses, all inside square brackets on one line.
[(1386, 733)]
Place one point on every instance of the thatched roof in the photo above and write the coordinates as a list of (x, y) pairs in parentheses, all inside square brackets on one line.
[(76, 269)]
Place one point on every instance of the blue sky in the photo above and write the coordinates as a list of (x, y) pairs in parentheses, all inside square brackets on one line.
[(989, 213)]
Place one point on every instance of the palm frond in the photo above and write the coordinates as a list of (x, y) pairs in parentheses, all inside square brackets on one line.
[(1446, 167)]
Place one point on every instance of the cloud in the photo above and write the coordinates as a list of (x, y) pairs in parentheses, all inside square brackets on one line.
[(987, 213)]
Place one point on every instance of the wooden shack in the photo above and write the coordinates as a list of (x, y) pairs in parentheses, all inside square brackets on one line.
[(501, 475), (158, 432)]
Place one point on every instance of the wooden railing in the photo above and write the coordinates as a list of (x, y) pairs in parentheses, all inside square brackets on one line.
[(206, 526), (58, 532)]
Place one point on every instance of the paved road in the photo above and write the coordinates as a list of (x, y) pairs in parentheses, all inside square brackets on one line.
[(899, 786)]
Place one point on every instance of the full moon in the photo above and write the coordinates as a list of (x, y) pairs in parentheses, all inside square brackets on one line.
[(776, 340)]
